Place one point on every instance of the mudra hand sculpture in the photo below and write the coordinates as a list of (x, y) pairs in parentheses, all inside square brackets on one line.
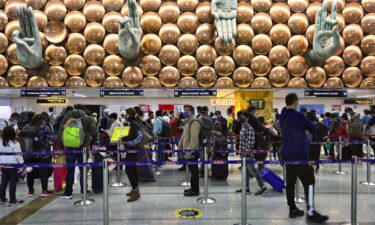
[(225, 14)]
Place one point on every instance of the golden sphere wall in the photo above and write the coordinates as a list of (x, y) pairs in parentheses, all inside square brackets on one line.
[(180, 47)]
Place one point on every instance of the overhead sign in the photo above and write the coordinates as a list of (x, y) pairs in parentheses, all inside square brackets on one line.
[(326, 93), (43, 93), (358, 101), (257, 103), (189, 213), (336, 108), (145, 108), (121, 93), (51, 101), (195, 93), (222, 102)]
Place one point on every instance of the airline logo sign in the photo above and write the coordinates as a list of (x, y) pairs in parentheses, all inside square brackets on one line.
[(222, 102)]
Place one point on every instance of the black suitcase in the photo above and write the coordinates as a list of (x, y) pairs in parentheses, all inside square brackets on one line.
[(220, 171), (97, 174)]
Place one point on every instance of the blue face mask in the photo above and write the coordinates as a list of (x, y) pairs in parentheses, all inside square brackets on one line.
[(186, 114)]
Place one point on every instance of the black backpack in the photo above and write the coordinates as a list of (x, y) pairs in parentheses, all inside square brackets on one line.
[(28, 139), (320, 132), (166, 130), (260, 144), (207, 126)]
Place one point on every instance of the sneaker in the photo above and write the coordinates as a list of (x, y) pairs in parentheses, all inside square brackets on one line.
[(45, 194), (294, 213), (3, 201), (187, 190), (261, 191), (316, 218), (191, 193), (66, 197), (17, 202), (30, 194), (240, 191)]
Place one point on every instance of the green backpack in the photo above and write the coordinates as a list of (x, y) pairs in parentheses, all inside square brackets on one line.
[(73, 133)]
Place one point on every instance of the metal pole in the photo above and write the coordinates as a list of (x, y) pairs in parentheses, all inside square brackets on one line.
[(243, 194), (354, 191), (105, 193), (206, 199), (368, 165), (187, 182), (157, 172), (118, 176), (297, 199), (339, 146), (84, 201)]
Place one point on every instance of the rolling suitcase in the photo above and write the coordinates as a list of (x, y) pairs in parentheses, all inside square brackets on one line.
[(59, 173), (220, 171), (145, 172), (97, 174), (273, 179)]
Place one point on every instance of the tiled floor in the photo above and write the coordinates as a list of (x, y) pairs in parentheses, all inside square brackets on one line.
[(160, 200)]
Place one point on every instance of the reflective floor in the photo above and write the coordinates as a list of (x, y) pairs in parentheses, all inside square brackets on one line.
[(161, 199)]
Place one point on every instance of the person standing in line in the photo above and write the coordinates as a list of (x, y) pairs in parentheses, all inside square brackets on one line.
[(366, 117), (11, 122), (296, 147), (150, 119), (158, 129), (220, 119), (9, 143), (354, 128)]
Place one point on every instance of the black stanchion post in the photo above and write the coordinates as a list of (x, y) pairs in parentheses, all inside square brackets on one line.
[(118, 182), (243, 194), (339, 148), (84, 201), (105, 193), (368, 165), (157, 158), (206, 199)]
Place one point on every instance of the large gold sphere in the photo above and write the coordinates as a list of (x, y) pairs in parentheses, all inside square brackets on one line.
[(37, 82), (151, 22), (10, 8), (352, 77), (311, 11), (206, 34), (224, 82), (41, 19), (226, 49), (245, 12), (43, 40), (245, 34), (368, 5), (113, 65), (243, 55), (334, 66), (340, 22), (3, 64), (55, 55), (169, 12), (76, 43), (187, 5), (316, 77), (353, 13), (261, 5), (298, 23), (279, 55), (150, 65), (150, 5), (368, 83), (261, 44), (206, 55), (169, 55), (352, 34), (206, 76), (187, 65), (94, 32), (188, 44), (75, 21), (55, 10), (280, 34), (3, 43), (280, 12), (169, 33), (36, 4), (10, 28), (11, 54), (352, 55), (3, 83), (75, 82), (203, 12), (334, 82), (368, 23), (298, 6), (125, 10), (113, 82), (75, 65), (340, 4), (151, 82), (368, 45), (111, 44), (261, 82), (188, 82), (224, 66), (94, 76), (242, 77), (17, 76), (368, 66), (297, 82), (260, 65), (55, 32), (113, 5), (279, 76), (111, 22), (94, 54), (94, 11), (132, 76), (169, 76), (261, 23), (74, 4), (56, 76), (3, 20), (310, 33), (187, 22), (298, 45), (150, 44), (297, 66), (341, 46)]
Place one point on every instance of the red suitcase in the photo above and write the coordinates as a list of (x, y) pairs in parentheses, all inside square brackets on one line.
[(59, 173)]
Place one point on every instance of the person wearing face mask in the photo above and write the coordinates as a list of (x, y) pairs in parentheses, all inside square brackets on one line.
[(104, 124), (354, 128)]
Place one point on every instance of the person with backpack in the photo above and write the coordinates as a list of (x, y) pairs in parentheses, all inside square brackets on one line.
[(158, 130), (207, 125), (224, 123), (318, 136), (355, 128), (77, 131), (190, 141), (9, 143), (60, 118), (14, 117)]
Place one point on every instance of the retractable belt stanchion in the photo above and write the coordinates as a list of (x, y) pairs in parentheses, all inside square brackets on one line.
[(206, 199), (353, 217), (157, 158), (368, 165), (84, 201), (243, 194), (118, 170), (298, 199), (187, 182), (339, 146), (105, 193)]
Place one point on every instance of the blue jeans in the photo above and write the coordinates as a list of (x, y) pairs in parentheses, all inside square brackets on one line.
[(73, 158)]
